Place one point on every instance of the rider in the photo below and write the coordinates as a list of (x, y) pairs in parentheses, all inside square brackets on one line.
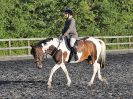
[(69, 31)]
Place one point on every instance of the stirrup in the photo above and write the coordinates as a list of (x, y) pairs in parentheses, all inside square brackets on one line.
[(75, 57)]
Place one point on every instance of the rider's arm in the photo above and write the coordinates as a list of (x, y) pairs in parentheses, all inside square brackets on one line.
[(70, 27)]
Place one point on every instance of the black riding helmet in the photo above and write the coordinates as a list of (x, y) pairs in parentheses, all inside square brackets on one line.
[(68, 11)]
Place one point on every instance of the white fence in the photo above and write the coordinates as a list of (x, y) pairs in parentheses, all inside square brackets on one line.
[(113, 43)]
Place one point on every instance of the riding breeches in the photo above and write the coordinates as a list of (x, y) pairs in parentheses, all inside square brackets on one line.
[(72, 41)]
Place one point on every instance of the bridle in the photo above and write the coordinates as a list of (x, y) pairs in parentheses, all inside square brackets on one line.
[(38, 61), (54, 50)]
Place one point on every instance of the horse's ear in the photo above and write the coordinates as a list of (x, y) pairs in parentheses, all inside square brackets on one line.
[(50, 38), (32, 46)]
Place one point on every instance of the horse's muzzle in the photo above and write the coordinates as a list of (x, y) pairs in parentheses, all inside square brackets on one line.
[(39, 66)]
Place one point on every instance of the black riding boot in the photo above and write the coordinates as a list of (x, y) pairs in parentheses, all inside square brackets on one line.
[(74, 51)]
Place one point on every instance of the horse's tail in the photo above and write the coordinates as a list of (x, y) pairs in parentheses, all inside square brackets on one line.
[(102, 54)]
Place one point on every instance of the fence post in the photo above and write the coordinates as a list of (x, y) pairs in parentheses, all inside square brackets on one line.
[(28, 48), (118, 42), (10, 52), (129, 40)]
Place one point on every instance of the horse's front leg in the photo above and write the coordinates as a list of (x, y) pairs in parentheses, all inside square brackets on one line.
[(66, 72), (51, 74)]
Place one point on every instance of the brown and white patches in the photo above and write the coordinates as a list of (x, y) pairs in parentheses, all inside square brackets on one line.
[(102, 57), (80, 46), (55, 53), (37, 52), (88, 50), (51, 49), (65, 56), (58, 57), (98, 45)]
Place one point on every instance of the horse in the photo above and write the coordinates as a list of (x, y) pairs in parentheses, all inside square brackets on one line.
[(91, 49)]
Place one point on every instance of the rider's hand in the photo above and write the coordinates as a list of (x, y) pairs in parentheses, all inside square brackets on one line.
[(60, 37), (65, 34)]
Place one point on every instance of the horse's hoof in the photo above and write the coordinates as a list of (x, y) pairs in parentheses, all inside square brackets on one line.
[(90, 83), (68, 84), (105, 81), (49, 87)]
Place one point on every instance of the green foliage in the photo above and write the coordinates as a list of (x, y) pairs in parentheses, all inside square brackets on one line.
[(43, 18)]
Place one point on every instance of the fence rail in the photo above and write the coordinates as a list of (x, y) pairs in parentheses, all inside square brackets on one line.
[(113, 43)]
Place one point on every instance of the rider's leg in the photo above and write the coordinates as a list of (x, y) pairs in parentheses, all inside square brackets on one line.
[(72, 42), (74, 50)]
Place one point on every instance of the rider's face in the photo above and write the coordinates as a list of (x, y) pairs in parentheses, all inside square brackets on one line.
[(65, 15)]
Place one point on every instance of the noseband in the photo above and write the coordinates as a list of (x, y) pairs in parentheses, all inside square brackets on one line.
[(37, 61)]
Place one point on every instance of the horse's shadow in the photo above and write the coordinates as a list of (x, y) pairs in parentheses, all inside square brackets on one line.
[(21, 82)]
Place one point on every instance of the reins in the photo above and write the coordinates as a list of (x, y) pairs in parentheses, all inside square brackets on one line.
[(55, 49)]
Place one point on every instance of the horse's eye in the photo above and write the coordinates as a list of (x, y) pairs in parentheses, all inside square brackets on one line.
[(36, 61)]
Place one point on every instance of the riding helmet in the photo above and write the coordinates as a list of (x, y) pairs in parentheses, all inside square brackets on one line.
[(68, 11)]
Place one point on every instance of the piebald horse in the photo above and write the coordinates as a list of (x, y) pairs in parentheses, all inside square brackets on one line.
[(90, 49)]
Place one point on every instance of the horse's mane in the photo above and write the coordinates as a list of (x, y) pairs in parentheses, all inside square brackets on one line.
[(84, 38), (43, 41)]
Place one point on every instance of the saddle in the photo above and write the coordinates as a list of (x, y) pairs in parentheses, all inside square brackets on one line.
[(78, 42)]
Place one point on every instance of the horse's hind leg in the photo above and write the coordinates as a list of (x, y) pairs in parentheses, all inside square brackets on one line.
[(66, 72), (51, 74), (100, 76), (95, 69)]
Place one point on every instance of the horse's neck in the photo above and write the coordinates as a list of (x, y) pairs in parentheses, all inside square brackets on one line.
[(55, 42), (54, 50)]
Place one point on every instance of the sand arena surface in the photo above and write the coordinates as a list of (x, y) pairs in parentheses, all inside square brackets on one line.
[(20, 79)]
